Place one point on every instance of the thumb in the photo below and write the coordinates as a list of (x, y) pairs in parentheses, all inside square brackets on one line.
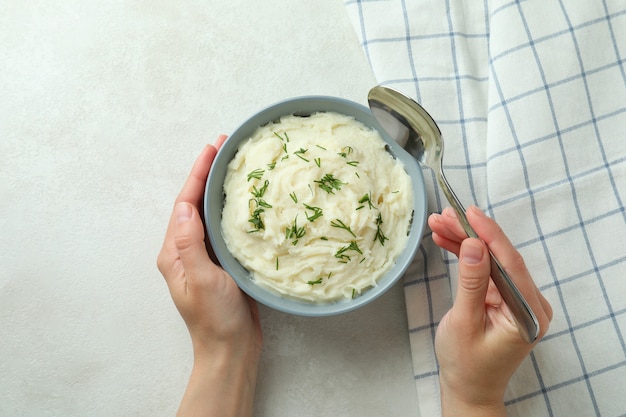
[(189, 239), (474, 270)]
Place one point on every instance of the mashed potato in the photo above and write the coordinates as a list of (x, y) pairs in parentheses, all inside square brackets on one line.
[(316, 208)]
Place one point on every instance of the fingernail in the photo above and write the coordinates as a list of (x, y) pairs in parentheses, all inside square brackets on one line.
[(183, 212), (478, 211), (435, 217), (471, 252), (449, 211)]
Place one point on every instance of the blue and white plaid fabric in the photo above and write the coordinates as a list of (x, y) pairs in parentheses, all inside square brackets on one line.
[(531, 99)]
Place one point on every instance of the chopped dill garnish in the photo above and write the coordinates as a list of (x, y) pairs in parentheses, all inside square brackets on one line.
[(271, 166), (301, 152), (256, 174), (346, 152), (353, 163), (380, 236), (259, 192), (353, 293), (256, 220), (294, 197), (329, 183), (367, 198), (294, 232), (285, 139), (319, 280), (317, 212), (318, 162), (338, 223), (277, 263), (263, 203), (341, 253), (321, 147)]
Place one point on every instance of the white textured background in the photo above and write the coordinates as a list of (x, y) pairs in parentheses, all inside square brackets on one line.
[(103, 108)]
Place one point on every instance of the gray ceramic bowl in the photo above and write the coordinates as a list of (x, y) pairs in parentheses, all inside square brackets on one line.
[(214, 199)]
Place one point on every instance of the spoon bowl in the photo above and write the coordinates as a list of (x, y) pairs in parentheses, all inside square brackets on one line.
[(410, 125)]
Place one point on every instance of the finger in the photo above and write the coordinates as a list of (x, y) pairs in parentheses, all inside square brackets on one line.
[(474, 269), (446, 244), (192, 193), (451, 219), (447, 225), (441, 234), (546, 315), (220, 141), (546, 305), (193, 189), (189, 240), (510, 259), (512, 262)]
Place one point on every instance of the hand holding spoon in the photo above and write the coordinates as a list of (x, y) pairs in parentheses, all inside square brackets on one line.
[(412, 127)]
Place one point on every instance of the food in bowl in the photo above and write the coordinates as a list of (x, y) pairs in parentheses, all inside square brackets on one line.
[(315, 208)]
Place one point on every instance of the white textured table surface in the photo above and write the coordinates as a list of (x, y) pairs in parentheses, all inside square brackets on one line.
[(103, 108)]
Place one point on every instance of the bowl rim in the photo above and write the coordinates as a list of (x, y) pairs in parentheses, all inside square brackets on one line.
[(213, 204)]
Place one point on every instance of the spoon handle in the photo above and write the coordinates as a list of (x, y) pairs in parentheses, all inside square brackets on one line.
[(527, 322)]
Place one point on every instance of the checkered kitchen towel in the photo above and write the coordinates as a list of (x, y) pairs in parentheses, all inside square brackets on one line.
[(531, 99)]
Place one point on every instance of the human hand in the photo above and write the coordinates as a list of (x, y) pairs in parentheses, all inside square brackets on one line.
[(222, 321), (477, 343)]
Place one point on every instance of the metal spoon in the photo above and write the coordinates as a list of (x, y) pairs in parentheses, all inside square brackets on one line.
[(412, 127)]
